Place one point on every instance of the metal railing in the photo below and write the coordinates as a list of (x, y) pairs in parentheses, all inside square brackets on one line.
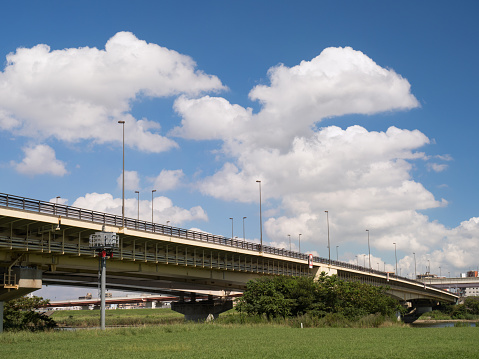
[(33, 205), (9, 280)]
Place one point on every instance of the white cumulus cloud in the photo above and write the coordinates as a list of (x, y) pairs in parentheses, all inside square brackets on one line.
[(163, 208), (39, 160), (132, 181), (81, 93), (339, 81), (168, 180)]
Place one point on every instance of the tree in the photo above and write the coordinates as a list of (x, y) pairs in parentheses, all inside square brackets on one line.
[(265, 296), (20, 314), (292, 296), (472, 305)]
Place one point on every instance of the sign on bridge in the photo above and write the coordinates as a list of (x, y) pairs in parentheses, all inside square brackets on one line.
[(104, 240)]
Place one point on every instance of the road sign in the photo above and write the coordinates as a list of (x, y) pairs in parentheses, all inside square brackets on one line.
[(104, 240)]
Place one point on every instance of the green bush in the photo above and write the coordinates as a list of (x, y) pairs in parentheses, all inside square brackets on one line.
[(20, 314)]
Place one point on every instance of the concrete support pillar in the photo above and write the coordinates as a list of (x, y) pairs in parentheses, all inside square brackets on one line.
[(151, 304), (203, 310), (1, 317)]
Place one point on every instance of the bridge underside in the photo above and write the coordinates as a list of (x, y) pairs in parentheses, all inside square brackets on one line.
[(144, 262)]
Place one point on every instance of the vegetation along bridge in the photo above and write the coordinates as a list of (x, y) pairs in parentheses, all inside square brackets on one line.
[(47, 243)]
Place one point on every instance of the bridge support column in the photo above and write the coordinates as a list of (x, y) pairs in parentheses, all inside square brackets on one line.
[(206, 310), (1, 317), (419, 307), (151, 304)]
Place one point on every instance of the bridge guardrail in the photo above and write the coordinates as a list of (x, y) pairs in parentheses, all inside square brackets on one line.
[(33, 205)]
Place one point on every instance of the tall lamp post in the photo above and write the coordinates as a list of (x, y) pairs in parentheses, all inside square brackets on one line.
[(56, 203), (152, 191), (231, 228), (138, 201), (337, 253), (244, 237), (289, 235), (395, 256), (123, 179), (299, 242), (415, 275), (260, 218), (329, 244), (369, 250)]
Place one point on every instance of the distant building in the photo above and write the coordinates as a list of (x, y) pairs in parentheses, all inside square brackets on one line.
[(472, 273), (427, 275), (87, 296)]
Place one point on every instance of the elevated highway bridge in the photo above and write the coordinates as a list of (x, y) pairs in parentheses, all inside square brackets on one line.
[(47, 243)]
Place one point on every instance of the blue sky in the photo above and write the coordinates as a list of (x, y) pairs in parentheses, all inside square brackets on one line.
[(366, 109)]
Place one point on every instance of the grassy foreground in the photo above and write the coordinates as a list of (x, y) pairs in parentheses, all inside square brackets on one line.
[(244, 341)]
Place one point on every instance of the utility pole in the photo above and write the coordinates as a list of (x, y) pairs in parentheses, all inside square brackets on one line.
[(104, 243)]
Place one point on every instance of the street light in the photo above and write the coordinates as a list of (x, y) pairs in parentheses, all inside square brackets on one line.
[(123, 179), (152, 191), (440, 271), (260, 218), (329, 245), (395, 256), (415, 275), (244, 237), (429, 264), (56, 203), (337, 254), (369, 250), (138, 219), (299, 243), (289, 235), (231, 228)]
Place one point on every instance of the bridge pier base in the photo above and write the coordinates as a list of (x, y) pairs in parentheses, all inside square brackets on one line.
[(1, 317), (150, 304), (419, 307), (206, 310)]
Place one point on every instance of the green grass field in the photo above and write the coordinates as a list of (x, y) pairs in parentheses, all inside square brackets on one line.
[(118, 317), (247, 341)]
